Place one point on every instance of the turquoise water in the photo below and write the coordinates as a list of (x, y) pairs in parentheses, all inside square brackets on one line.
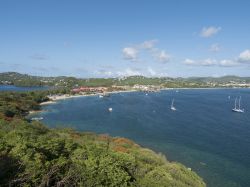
[(203, 133), (21, 89)]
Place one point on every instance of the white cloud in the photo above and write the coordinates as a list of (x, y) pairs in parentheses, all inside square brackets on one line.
[(244, 56), (215, 48), (211, 62), (188, 61), (130, 53), (207, 32), (105, 73), (128, 72), (162, 56), (151, 71), (205, 62), (208, 62), (227, 63), (146, 47), (148, 44)]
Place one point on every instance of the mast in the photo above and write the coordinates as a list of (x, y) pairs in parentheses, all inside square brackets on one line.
[(235, 103), (239, 102), (172, 103)]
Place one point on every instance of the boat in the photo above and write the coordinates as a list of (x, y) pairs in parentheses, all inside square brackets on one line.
[(104, 95), (172, 106), (37, 119), (235, 109), (110, 109)]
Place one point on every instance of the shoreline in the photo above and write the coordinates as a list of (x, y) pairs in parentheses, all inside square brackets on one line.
[(47, 103), (54, 99)]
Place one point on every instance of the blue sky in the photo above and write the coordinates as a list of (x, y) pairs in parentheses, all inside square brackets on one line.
[(114, 38)]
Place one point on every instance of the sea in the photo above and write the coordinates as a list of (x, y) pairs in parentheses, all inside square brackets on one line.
[(203, 133)]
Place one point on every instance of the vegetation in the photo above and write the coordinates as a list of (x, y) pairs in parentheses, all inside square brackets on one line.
[(14, 104), (33, 155), (70, 82), (18, 104)]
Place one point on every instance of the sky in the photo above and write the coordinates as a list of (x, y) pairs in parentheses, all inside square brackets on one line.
[(116, 38)]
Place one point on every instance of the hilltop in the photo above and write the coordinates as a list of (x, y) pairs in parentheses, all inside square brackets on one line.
[(18, 79)]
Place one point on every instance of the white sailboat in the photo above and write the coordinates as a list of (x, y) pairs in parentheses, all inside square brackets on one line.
[(172, 106), (235, 109)]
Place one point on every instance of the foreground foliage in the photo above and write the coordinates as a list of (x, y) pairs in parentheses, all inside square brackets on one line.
[(33, 155)]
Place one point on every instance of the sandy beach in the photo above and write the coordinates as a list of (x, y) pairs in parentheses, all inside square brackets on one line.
[(47, 102), (55, 98)]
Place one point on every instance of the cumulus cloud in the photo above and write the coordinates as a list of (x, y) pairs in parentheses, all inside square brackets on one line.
[(208, 62), (215, 48), (207, 32), (150, 44), (211, 62), (39, 57), (147, 47), (204, 62), (227, 63), (188, 61), (128, 72), (131, 71), (151, 72), (103, 72), (162, 56), (130, 53), (244, 56)]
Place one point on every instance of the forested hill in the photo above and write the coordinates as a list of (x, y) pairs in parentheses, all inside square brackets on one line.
[(18, 79)]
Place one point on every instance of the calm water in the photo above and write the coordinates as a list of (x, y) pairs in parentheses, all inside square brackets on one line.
[(203, 133), (21, 89)]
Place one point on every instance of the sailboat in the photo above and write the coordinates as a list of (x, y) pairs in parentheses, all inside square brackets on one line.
[(172, 106), (235, 109)]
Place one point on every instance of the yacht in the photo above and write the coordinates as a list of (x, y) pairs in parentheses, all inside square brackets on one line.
[(235, 109), (37, 119), (172, 106)]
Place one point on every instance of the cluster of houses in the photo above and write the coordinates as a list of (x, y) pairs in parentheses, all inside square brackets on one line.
[(83, 89), (5, 82), (148, 88)]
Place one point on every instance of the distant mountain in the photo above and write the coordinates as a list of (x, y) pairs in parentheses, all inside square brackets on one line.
[(18, 79)]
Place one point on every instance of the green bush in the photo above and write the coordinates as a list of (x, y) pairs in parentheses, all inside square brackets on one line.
[(33, 155)]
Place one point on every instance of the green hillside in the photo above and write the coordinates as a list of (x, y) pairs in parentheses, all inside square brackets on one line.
[(33, 155), (18, 79)]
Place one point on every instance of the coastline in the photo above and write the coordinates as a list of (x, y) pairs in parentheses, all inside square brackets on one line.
[(47, 102), (35, 112), (55, 98)]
